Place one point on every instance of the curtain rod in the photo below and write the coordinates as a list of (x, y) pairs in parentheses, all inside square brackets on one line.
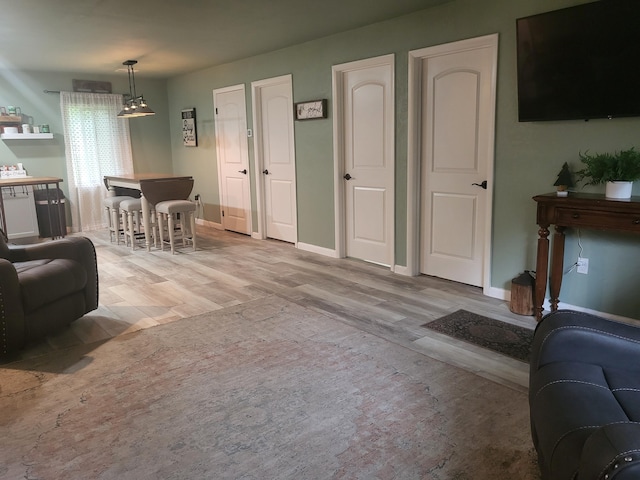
[(58, 91)]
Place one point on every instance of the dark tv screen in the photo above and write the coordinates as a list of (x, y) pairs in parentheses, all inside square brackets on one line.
[(580, 62)]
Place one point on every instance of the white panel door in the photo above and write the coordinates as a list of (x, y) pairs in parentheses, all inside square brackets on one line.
[(457, 118), (275, 154), (233, 158), (368, 129)]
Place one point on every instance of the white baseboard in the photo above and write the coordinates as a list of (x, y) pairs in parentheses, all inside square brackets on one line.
[(499, 293), (402, 270), (610, 316), (503, 294), (207, 223), (307, 247)]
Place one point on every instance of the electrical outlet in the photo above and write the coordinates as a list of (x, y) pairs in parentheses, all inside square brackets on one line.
[(583, 265)]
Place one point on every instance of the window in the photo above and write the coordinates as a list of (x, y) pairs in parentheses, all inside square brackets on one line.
[(97, 143)]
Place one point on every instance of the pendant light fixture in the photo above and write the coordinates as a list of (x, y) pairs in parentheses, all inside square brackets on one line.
[(134, 105)]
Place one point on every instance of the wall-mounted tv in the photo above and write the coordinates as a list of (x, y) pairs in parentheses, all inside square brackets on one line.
[(581, 62)]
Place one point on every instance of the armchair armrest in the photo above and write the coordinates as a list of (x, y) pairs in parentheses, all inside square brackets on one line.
[(80, 249), (12, 328), (74, 248), (613, 452), (565, 335)]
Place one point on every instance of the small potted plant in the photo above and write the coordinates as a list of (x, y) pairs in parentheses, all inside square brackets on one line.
[(564, 181), (617, 170)]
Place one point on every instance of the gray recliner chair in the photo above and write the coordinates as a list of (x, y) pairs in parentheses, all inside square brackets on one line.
[(44, 287), (584, 396)]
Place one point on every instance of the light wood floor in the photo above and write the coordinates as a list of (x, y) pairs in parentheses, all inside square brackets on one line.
[(142, 289)]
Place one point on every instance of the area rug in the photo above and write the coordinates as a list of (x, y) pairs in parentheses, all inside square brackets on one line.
[(264, 390), (505, 338)]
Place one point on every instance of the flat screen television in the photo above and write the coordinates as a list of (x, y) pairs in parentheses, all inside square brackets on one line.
[(580, 62)]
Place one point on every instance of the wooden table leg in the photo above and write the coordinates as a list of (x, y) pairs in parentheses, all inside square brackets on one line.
[(542, 265), (146, 221), (557, 265), (146, 214)]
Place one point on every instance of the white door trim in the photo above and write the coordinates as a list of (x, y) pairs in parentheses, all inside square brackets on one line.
[(416, 58), (337, 74), (256, 99)]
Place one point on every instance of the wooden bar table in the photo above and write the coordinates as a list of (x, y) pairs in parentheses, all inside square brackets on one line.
[(36, 181), (577, 210), (132, 180)]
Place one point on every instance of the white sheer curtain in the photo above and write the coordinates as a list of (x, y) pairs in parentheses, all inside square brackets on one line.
[(97, 143)]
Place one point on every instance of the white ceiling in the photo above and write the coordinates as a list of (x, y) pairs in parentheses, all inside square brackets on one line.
[(170, 37)]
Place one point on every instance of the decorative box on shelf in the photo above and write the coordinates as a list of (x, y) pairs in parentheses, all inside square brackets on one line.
[(12, 172), (10, 119)]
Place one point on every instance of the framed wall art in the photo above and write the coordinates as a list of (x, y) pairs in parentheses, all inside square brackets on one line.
[(311, 110), (189, 134)]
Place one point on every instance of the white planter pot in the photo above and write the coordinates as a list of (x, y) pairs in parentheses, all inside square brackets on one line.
[(618, 189)]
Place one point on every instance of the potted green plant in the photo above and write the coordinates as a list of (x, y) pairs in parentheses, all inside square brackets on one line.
[(617, 170)]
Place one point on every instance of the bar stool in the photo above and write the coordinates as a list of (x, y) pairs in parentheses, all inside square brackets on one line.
[(131, 213), (167, 212), (112, 206)]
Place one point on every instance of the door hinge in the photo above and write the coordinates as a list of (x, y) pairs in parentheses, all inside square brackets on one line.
[(216, 110), (223, 213)]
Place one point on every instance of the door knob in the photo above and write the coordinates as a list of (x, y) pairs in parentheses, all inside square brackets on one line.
[(347, 177), (483, 184), (265, 171), (243, 171)]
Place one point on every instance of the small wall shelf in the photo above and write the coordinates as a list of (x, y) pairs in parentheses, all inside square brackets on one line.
[(26, 136)]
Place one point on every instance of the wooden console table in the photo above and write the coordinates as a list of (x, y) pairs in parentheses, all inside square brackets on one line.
[(579, 210)]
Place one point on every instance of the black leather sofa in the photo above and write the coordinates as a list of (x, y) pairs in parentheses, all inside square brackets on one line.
[(584, 397), (44, 287)]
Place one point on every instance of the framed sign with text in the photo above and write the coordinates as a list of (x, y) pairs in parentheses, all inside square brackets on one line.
[(189, 135), (311, 110)]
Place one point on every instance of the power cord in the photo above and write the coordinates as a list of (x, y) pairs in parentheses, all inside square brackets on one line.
[(573, 267), (199, 206)]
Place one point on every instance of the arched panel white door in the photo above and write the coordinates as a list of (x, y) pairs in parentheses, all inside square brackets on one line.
[(366, 156), (275, 157), (457, 118), (233, 158)]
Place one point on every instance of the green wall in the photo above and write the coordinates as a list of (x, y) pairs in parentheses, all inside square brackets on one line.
[(151, 147), (528, 155)]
